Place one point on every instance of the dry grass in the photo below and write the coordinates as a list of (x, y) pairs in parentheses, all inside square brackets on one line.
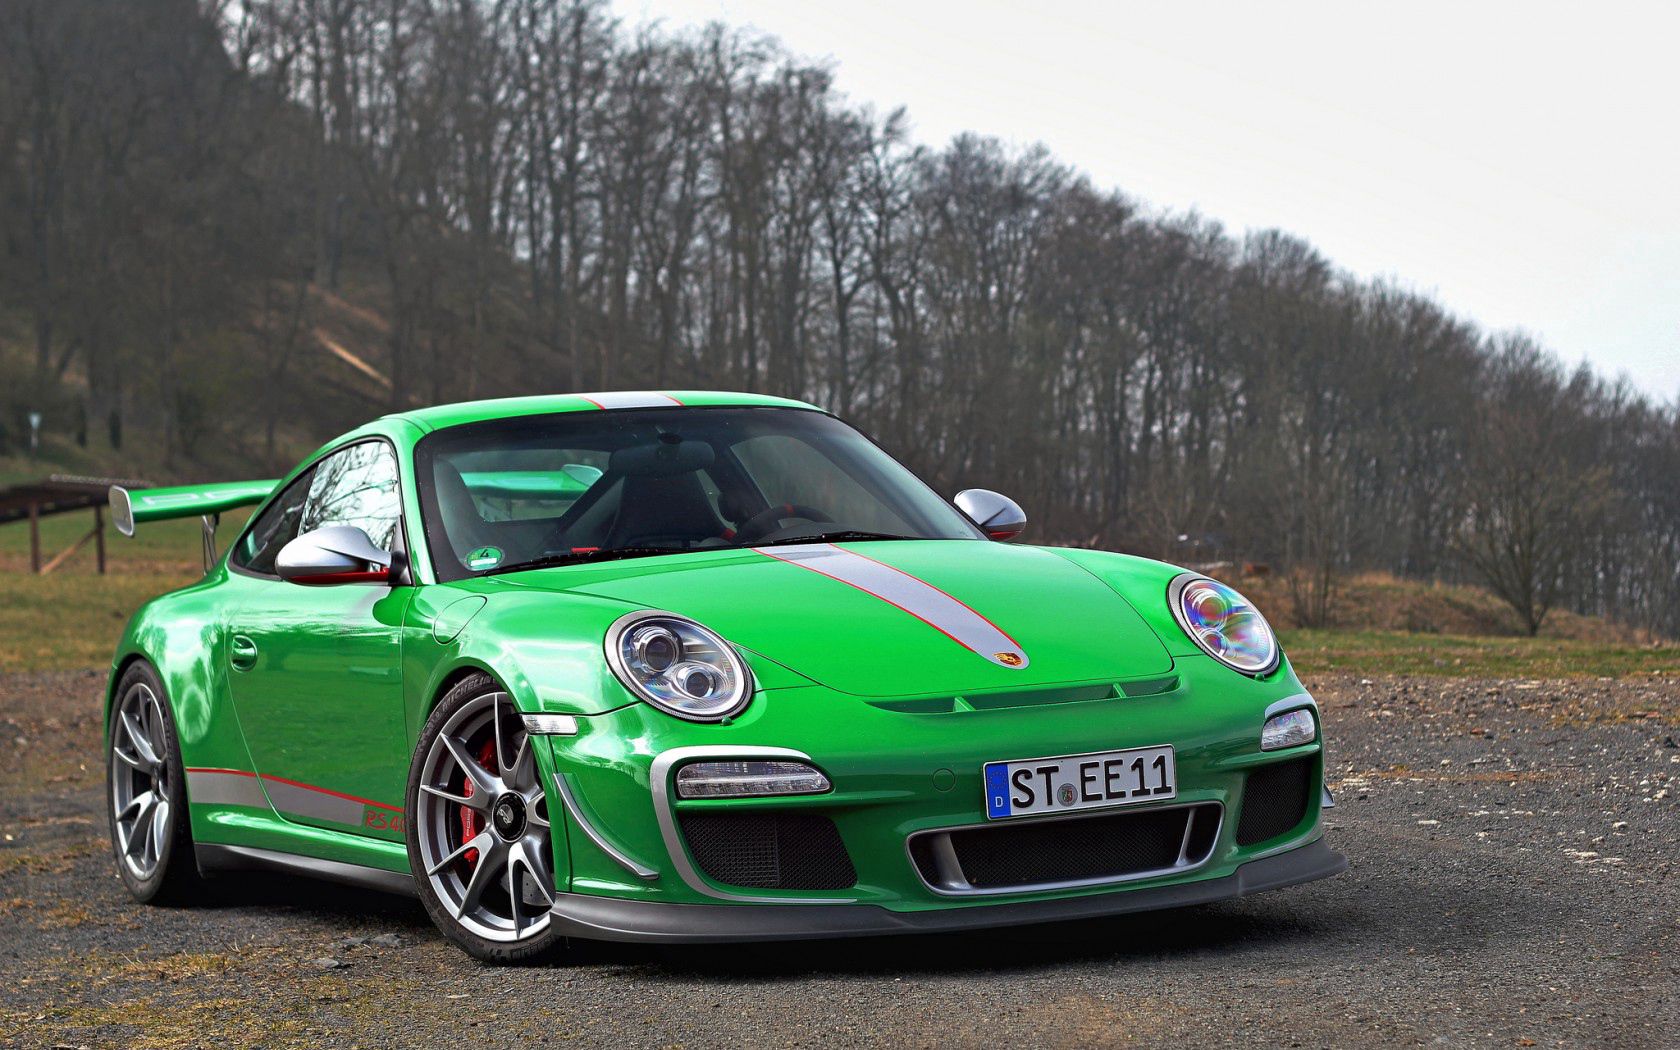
[(1399, 652), (1381, 602), (72, 618)]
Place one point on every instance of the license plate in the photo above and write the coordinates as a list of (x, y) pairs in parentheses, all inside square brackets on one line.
[(1038, 786)]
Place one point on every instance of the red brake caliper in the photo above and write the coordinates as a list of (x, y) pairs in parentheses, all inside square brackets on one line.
[(471, 823)]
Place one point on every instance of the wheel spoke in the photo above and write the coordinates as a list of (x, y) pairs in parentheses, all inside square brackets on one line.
[(140, 837), (496, 735), (135, 805), (131, 760), (484, 782), (513, 890), (154, 726), (123, 836), (478, 800), (493, 856), (522, 775), (160, 826), (530, 854), (138, 737), (480, 842)]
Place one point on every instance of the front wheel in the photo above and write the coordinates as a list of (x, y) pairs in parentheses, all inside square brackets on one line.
[(146, 793), (479, 839)]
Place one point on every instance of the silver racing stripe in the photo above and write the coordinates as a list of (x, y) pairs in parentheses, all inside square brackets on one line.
[(225, 787), (232, 787), (919, 598), (630, 399), (313, 803)]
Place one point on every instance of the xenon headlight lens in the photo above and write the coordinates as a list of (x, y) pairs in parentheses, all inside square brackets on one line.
[(1224, 624), (678, 666)]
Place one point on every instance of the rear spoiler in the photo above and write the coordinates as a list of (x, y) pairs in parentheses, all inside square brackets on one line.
[(205, 502), (129, 509)]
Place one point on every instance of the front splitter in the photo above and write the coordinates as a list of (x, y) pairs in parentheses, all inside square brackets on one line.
[(612, 919)]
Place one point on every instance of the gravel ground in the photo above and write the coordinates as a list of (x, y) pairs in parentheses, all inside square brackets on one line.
[(1515, 847)]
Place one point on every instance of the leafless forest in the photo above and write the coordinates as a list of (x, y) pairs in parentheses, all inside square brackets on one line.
[(531, 197)]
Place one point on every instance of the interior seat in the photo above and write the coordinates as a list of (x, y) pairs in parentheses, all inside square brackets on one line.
[(467, 530), (664, 511)]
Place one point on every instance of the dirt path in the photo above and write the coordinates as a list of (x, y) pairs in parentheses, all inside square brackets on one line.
[(1515, 882)]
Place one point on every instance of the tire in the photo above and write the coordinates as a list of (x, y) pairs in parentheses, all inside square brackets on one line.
[(146, 793), (479, 840)]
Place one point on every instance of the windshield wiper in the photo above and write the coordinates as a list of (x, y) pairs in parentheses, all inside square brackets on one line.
[(839, 536), (585, 554)]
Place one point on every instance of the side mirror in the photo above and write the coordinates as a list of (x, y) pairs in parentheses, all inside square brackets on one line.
[(333, 554), (998, 516)]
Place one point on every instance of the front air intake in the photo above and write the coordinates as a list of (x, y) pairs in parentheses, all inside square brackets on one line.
[(1274, 800), (769, 851), (1089, 850)]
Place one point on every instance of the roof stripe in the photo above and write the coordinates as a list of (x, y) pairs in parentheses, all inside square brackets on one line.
[(630, 399), (927, 603)]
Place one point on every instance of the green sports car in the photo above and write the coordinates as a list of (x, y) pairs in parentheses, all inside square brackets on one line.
[(692, 667)]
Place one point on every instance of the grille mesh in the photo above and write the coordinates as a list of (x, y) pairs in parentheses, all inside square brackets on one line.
[(1108, 846), (1274, 800), (769, 851)]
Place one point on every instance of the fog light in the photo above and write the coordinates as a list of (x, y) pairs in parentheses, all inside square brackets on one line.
[(1288, 730), (748, 779)]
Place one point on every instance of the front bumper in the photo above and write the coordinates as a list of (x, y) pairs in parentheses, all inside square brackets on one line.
[(902, 775), (615, 919)]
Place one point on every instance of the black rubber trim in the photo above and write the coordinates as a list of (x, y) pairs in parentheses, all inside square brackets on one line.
[(213, 857), (613, 919)]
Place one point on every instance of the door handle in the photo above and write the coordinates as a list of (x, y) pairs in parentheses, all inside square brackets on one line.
[(243, 653)]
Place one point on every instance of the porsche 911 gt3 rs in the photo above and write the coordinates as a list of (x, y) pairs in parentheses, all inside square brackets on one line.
[(692, 667)]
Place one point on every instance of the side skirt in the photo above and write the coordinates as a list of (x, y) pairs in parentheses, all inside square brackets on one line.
[(213, 858)]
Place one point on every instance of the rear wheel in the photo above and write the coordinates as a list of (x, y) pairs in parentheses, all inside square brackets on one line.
[(479, 839), (151, 832)]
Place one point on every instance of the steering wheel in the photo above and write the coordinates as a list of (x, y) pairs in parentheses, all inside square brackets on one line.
[(758, 526)]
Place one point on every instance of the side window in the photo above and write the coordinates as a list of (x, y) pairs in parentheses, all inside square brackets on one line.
[(273, 529), (356, 486)]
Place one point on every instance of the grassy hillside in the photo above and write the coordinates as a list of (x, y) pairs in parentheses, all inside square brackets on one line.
[(336, 378)]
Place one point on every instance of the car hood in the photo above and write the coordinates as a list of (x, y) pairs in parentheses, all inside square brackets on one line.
[(898, 618)]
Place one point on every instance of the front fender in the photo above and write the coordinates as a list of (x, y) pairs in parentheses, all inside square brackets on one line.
[(546, 648), (1143, 583)]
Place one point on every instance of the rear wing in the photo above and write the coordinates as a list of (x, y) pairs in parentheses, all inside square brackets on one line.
[(205, 502), (567, 483), (129, 509)]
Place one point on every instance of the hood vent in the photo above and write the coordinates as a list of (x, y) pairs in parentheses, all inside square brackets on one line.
[(946, 705)]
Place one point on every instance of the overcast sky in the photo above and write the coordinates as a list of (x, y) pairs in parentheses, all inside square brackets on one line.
[(1520, 162)]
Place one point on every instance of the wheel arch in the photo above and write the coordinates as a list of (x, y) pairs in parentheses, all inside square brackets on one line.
[(452, 676), (119, 667)]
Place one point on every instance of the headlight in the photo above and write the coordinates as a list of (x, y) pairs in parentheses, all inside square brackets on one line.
[(678, 666), (1224, 624)]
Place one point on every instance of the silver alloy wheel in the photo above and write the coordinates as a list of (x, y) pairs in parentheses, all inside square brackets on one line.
[(483, 832), (140, 807)]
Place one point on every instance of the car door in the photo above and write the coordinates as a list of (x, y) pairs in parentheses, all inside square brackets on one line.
[(315, 670)]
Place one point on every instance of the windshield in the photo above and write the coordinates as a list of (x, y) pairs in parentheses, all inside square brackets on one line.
[(588, 486)]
